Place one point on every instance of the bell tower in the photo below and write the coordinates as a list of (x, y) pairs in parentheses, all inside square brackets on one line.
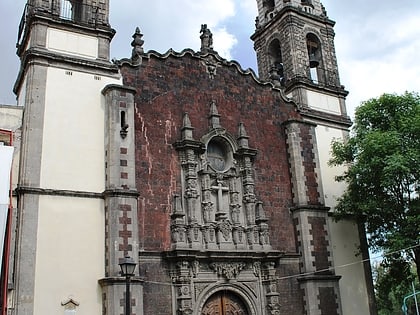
[(294, 43), (77, 199)]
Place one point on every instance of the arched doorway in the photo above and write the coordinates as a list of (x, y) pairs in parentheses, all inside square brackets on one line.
[(224, 303)]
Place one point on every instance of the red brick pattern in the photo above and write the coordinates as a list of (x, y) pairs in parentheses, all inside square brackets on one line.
[(328, 301), (319, 243), (125, 232), (309, 164)]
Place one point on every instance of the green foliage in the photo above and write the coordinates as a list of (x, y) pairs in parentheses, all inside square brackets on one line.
[(393, 281), (383, 159)]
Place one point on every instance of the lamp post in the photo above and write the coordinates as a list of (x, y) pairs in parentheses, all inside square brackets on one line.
[(127, 269)]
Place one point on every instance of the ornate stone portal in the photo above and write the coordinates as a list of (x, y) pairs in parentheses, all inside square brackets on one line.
[(220, 236)]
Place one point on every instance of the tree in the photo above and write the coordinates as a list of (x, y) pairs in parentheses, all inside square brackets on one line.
[(382, 155), (392, 283)]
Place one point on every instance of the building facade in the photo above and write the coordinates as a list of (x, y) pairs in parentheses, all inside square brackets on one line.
[(214, 180)]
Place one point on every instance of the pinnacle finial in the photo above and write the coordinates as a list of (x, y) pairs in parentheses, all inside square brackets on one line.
[(137, 45), (214, 116), (242, 136), (186, 127)]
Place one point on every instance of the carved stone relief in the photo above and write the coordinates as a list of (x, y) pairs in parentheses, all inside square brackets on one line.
[(217, 207)]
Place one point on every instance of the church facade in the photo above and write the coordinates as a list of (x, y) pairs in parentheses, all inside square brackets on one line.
[(213, 179)]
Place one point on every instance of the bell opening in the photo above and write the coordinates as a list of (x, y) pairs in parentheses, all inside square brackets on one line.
[(313, 61)]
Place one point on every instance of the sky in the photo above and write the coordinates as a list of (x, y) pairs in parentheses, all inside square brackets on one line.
[(377, 41)]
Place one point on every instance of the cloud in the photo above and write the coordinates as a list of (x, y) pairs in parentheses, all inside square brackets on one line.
[(224, 42), (377, 45), (172, 24), (377, 41)]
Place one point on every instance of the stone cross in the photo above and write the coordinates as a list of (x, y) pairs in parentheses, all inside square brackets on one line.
[(220, 189)]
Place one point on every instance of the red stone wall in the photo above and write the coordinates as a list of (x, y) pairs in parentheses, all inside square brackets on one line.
[(169, 87)]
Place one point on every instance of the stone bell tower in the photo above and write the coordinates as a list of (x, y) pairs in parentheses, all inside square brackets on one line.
[(294, 43), (77, 197)]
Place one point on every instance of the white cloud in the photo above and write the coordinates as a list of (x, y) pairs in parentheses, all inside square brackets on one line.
[(171, 24), (377, 42), (377, 50), (224, 42)]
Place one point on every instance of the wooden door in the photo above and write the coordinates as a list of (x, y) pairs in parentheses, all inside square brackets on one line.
[(224, 303)]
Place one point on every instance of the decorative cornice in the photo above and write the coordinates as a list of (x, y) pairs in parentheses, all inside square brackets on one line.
[(290, 9), (43, 56), (21, 190), (237, 255), (311, 208), (123, 88), (318, 115), (200, 55), (119, 280), (302, 81), (298, 121), (319, 277), (120, 193)]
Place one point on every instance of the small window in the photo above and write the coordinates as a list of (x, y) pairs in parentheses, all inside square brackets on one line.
[(269, 4), (71, 10), (217, 155)]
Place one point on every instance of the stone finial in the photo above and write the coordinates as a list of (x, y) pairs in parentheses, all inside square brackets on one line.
[(137, 45), (186, 128), (242, 136), (324, 12), (177, 205), (260, 213), (214, 116), (206, 38)]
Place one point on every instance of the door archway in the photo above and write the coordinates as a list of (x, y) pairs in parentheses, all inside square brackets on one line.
[(224, 303)]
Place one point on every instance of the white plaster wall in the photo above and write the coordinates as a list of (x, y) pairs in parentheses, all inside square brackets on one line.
[(73, 143), (10, 117), (332, 189), (72, 43), (323, 102), (70, 255), (344, 234), (353, 290)]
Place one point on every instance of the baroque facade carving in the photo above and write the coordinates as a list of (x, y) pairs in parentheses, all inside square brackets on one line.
[(217, 207), (217, 210)]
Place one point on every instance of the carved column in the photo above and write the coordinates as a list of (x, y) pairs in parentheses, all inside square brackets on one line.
[(183, 287), (246, 155), (189, 150), (270, 284), (178, 226)]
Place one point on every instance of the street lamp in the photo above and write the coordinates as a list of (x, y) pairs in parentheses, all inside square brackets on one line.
[(127, 269)]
